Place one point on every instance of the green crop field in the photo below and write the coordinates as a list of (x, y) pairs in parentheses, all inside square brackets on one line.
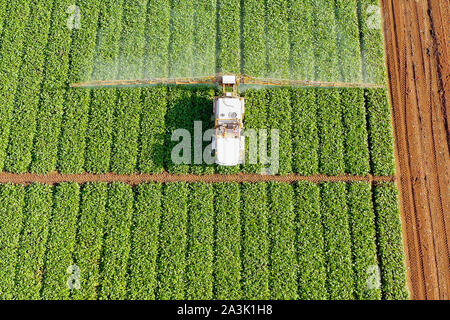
[(201, 241), (195, 240), (326, 131), (47, 126)]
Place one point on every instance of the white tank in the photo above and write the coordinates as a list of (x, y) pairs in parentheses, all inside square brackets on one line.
[(228, 142)]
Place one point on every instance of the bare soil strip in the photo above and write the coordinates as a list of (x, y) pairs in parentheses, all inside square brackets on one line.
[(418, 66), (135, 179)]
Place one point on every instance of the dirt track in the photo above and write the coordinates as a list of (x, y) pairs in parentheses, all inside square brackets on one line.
[(135, 179), (418, 65)]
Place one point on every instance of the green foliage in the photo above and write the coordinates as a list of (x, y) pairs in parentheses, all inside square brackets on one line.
[(23, 121), (76, 108), (390, 243), (202, 102), (199, 252), (338, 244), (355, 126), (53, 90), (100, 130), (278, 44), (312, 272), (61, 242), (279, 111), (362, 226), (33, 242), (331, 132), (172, 242), (381, 138), (227, 262), (228, 37), (152, 130), (179, 115), (11, 218), (256, 114), (3, 15), (181, 38), (116, 246), (372, 41), (195, 240), (325, 41), (132, 40), (126, 131), (103, 101), (108, 40), (89, 240), (305, 137), (128, 109), (157, 33), (204, 50), (255, 242), (348, 40), (283, 258), (254, 38), (144, 241), (10, 51), (301, 31)]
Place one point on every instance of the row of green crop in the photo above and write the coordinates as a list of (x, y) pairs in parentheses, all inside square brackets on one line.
[(72, 141), (228, 36), (181, 44), (320, 131), (205, 33), (61, 241), (104, 101), (14, 35), (53, 93), (157, 33), (127, 112), (23, 121), (116, 242), (3, 15), (254, 38), (201, 241)]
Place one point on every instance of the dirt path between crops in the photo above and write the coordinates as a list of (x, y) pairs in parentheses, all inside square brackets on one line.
[(417, 34), (135, 179)]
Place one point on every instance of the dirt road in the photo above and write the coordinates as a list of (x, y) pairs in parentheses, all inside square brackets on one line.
[(135, 179), (417, 36)]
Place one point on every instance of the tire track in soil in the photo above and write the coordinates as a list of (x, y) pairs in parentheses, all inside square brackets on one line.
[(135, 179), (418, 78)]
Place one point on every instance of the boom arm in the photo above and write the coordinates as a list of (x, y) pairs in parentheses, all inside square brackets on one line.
[(214, 80), (304, 83), (124, 83)]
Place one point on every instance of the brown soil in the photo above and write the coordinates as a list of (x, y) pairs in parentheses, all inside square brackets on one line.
[(418, 65), (135, 179)]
